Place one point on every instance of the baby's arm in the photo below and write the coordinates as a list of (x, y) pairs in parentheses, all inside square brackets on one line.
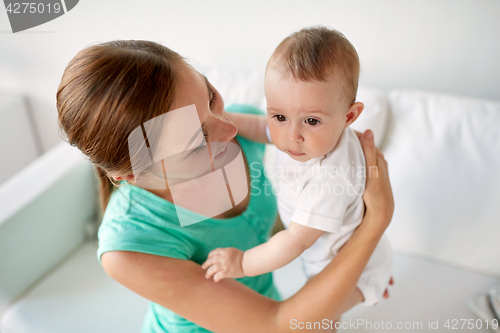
[(281, 249), (250, 126)]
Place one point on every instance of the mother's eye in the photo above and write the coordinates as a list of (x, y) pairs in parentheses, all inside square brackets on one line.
[(213, 96), (312, 121)]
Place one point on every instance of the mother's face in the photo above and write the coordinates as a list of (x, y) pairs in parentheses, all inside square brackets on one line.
[(194, 88), (191, 138)]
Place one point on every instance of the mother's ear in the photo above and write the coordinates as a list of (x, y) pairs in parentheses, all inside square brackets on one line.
[(353, 113), (123, 177)]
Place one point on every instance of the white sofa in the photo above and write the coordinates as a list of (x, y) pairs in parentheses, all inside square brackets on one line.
[(443, 162)]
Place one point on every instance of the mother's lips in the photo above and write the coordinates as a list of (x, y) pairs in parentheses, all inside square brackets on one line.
[(223, 151)]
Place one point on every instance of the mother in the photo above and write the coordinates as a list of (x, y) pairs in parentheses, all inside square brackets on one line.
[(110, 89)]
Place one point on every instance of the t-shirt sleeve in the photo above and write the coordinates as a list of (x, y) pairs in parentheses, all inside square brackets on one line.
[(137, 236), (258, 148), (322, 203), (244, 108)]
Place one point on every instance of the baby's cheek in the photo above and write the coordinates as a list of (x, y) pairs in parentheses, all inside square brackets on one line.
[(322, 146), (278, 142)]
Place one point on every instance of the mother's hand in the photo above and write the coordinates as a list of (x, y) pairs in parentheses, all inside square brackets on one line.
[(378, 196)]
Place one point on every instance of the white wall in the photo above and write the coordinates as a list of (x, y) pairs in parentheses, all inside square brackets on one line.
[(449, 45)]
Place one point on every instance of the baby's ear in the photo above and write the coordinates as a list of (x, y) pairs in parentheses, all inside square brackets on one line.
[(353, 113)]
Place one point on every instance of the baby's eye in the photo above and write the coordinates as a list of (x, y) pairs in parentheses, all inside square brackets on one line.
[(280, 118), (312, 121)]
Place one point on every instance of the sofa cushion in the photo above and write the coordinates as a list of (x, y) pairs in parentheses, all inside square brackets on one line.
[(79, 297), (19, 144), (444, 162), (423, 292), (45, 210)]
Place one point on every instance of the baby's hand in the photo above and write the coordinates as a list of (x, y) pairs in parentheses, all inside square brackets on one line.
[(224, 263)]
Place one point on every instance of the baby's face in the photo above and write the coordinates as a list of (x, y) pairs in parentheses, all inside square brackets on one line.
[(305, 119)]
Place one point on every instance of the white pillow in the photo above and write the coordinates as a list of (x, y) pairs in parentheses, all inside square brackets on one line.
[(444, 163), (238, 86), (242, 86), (375, 114)]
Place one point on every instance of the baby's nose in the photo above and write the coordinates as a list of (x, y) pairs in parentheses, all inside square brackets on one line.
[(294, 134)]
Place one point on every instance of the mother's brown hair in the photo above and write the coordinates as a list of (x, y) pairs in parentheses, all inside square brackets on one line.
[(108, 90)]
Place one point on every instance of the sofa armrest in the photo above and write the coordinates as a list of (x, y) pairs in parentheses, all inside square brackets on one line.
[(45, 209)]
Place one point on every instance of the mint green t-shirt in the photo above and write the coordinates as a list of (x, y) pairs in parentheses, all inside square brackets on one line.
[(139, 221)]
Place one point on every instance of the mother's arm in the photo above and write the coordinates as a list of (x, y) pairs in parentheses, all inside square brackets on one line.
[(229, 306)]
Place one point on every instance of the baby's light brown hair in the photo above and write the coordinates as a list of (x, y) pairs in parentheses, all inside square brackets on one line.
[(315, 53)]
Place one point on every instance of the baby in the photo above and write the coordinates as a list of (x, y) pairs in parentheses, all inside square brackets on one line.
[(310, 85)]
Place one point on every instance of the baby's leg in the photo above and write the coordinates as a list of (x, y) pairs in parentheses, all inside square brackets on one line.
[(355, 298)]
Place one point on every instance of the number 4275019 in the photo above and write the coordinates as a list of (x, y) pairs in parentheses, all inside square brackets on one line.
[(33, 8)]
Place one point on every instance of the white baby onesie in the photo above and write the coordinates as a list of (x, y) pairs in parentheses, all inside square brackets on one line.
[(325, 193)]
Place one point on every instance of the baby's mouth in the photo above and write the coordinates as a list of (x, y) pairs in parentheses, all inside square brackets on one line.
[(295, 153)]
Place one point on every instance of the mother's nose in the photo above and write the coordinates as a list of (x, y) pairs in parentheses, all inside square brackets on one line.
[(223, 131)]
